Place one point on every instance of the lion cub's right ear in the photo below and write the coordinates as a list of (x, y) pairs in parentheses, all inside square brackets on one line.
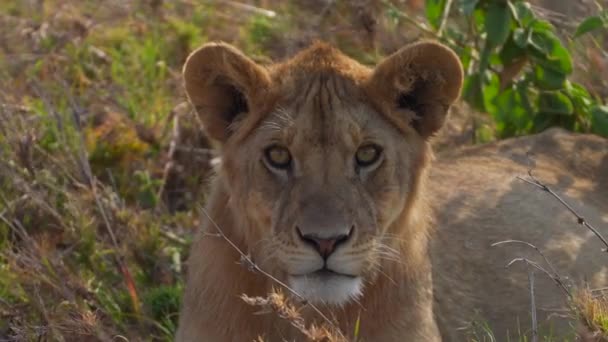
[(223, 84), (417, 85)]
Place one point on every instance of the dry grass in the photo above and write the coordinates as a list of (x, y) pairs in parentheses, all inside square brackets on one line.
[(277, 303), (592, 309)]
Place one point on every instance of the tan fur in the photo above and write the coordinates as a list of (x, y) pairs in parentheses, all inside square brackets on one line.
[(323, 106)]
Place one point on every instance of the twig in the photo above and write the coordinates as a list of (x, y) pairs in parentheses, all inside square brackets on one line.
[(580, 219), (553, 274), (16, 228), (444, 17), (170, 157), (251, 264), (600, 289), (533, 307), (173, 237), (529, 263), (435, 35), (253, 9), (535, 265)]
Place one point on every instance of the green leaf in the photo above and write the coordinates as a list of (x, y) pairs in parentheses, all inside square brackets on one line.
[(588, 25), (511, 112), (559, 60), (498, 23), (479, 90), (467, 6), (541, 26), (472, 92), (521, 37), (522, 12), (484, 58), (466, 55), (479, 19), (555, 102), (524, 93), (574, 88), (490, 90), (543, 121), (547, 50), (580, 97), (434, 10), (511, 51), (548, 79), (599, 120)]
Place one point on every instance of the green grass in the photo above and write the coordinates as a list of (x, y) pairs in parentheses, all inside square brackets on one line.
[(82, 248)]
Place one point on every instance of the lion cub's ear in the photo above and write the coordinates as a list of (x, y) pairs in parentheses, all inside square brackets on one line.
[(418, 84), (223, 84)]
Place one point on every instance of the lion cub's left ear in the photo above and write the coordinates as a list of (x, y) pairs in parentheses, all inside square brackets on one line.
[(417, 85), (223, 85)]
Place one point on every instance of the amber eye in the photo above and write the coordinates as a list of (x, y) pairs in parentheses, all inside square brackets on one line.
[(278, 157), (367, 155)]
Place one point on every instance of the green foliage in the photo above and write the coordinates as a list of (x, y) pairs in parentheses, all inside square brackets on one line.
[(592, 23), (517, 68), (141, 62), (434, 10), (163, 302), (259, 34), (599, 120)]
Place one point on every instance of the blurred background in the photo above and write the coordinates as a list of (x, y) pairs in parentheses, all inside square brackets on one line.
[(103, 167)]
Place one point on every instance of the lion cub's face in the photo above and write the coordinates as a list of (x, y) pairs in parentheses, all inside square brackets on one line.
[(322, 177), (321, 155)]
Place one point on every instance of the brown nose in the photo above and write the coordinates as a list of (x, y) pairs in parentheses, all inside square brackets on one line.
[(325, 246)]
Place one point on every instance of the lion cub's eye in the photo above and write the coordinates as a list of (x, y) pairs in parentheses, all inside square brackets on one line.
[(367, 155), (278, 157)]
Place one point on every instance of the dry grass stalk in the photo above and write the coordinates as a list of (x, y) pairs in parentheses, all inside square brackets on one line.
[(591, 310), (277, 303)]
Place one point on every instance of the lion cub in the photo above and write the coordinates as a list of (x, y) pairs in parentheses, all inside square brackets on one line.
[(323, 183)]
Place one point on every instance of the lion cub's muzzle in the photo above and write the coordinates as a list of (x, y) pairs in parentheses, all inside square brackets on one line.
[(328, 262), (328, 274), (325, 244)]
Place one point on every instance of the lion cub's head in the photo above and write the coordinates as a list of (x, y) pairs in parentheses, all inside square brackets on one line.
[(321, 156)]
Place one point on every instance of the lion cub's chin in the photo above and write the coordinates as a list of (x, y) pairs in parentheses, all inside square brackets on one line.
[(334, 289)]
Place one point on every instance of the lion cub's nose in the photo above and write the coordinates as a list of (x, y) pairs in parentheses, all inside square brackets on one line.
[(325, 246)]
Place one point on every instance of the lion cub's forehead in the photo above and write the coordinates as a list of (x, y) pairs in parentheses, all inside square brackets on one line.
[(321, 99), (326, 109)]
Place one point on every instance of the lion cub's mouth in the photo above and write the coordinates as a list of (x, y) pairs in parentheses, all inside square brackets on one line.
[(327, 286), (324, 273)]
